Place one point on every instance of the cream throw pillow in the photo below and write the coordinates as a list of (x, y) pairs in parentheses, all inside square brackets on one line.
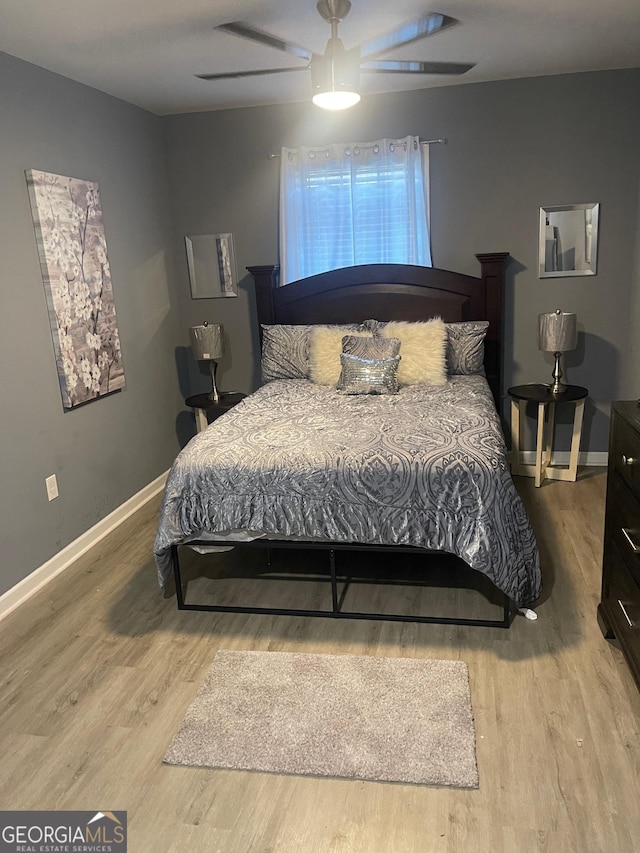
[(325, 349), (423, 351)]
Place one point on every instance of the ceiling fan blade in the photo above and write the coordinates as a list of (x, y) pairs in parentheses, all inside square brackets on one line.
[(414, 30), (237, 28), (228, 75), (386, 66)]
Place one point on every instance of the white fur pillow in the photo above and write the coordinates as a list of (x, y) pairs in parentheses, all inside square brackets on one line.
[(423, 350), (325, 349)]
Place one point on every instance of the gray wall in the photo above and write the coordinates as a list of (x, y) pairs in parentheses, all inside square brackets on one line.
[(105, 451), (512, 147)]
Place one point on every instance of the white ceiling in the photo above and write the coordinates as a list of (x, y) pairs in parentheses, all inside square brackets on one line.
[(147, 52)]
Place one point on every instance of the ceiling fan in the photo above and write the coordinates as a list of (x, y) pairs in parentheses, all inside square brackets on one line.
[(335, 75)]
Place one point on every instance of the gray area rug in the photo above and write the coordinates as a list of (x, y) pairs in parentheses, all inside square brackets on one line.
[(349, 716)]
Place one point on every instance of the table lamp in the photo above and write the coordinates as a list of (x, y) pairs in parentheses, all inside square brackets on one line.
[(207, 344), (557, 333)]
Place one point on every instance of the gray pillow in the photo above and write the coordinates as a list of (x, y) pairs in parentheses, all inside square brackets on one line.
[(370, 347), (285, 352), (374, 325), (465, 347), (368, 375)]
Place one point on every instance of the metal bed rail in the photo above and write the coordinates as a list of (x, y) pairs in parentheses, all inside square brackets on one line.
[(336, 611)]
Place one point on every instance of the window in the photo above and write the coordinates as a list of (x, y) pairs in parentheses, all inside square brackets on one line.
[(345, 205)]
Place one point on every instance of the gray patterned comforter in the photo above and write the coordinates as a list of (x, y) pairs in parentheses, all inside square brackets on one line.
[(426, 467)]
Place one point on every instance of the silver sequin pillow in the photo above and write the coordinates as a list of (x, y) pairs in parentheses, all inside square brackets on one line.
[(465, 347), (368, 375)]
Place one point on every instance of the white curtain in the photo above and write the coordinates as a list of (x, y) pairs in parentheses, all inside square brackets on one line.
[(348, 204)]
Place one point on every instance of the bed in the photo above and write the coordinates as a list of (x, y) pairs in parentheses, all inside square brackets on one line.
[(301, 465)]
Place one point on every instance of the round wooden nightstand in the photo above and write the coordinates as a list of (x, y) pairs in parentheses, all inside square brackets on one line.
[(541, 394), (206, 410)]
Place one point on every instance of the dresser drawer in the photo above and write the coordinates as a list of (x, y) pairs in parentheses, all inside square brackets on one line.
[(621, 597), (619, 608), (625, 453), (622, 524)]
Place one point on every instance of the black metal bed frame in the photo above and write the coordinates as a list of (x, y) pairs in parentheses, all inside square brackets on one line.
[(384, 292), (337, 601)]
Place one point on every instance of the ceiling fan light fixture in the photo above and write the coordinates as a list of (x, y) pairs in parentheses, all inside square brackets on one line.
[(335, 75), (336, 99), (335, 78)]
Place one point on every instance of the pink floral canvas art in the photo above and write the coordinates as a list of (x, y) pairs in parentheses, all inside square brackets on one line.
[(72, 246)]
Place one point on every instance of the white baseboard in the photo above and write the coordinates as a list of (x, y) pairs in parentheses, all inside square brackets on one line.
[(27, 587), (597, 458)]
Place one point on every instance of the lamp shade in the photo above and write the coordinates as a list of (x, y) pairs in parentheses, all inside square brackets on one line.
[(207, 342), (557, 332)]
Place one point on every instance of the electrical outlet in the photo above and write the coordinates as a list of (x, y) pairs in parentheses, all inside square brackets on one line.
[(52, 487)]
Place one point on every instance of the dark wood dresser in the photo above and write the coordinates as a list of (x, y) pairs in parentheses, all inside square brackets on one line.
[(619, 608)]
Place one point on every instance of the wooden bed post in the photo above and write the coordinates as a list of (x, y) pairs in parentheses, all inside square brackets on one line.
[(493, 265), (266, 280)]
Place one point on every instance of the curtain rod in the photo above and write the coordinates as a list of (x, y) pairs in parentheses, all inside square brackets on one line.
[(442, 140)]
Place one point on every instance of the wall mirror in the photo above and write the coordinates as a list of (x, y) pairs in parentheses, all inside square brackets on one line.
[(212, 265), (568, 240)]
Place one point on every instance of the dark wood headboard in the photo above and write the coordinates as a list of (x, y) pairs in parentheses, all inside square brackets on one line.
[(391, 292)]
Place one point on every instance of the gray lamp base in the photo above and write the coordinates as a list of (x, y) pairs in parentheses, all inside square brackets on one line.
[(557, 387)]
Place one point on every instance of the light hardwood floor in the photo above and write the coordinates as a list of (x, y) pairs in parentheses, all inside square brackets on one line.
[(98, 669)]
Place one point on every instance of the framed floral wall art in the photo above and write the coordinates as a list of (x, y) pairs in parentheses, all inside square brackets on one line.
[(67, 219)]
